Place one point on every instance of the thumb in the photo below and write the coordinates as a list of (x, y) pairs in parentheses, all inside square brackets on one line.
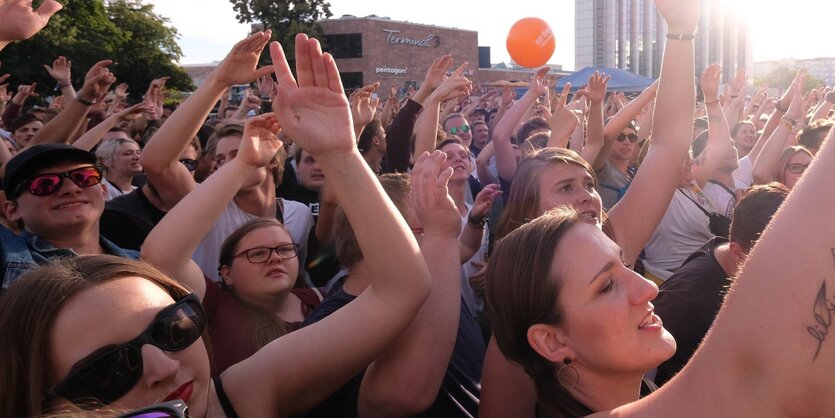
[(48, 8)]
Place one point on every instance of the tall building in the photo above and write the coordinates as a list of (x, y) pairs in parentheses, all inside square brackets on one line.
[(630, 35)]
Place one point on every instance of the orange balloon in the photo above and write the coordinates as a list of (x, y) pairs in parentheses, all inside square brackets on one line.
[(531, 42)]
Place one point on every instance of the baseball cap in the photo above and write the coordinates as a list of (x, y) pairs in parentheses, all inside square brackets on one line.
[(37, 157)]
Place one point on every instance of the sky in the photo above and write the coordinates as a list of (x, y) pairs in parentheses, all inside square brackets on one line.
[(796, 29)]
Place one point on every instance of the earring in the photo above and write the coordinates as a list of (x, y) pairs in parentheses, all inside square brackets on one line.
[(567, 375)]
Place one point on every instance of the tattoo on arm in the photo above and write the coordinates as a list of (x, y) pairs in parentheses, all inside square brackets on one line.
[(823, 310)]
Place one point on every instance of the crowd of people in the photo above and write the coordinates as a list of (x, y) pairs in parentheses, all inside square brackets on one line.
[(448, 250)]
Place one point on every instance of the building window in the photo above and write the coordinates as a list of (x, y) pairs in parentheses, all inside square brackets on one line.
[(351, 81), (345, 46)]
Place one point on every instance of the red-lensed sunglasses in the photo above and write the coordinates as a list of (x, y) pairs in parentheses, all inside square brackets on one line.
[(49, 183)]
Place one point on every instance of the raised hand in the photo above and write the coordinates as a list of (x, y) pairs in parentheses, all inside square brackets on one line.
[(21, 22), (507, 96), (260, 142), (430, 197), (122, 91), (455, 86), (739, 81), (563, 121), (484, 200), (596, 91), (539, 84), (313, 111), (239, 65), (133, 112), (796, 84), (24, 92), (437, 72), (60, 70), (154, 98), (265, 85), (5, 94), (97, 81), (363, 106), (57, 103), (682, 16), (710, 81), (250, 101)]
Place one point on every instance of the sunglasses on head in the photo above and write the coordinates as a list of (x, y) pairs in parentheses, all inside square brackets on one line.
[(49, 183), (170, 409), (797, 168), (454, 130), (190, 164), (631, 137), (112, 371)]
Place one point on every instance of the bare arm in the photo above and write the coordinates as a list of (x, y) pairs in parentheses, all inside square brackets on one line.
[(482, 163), (765, 166), (595, 94), (621, 120), (326, 354), (635, 217), (426, 127), (719, 136), (92, 137)]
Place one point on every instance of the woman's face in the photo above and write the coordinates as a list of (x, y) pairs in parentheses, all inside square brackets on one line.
[(114, 313), (608, 324), (126, 159), (795, 167), (257, 280), (569, 185)]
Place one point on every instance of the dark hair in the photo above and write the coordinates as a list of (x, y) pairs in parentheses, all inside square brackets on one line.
[(267, 326), (348, 251), (368, 134), (812, 135), (25, 326), (700, 123), (699, 144), (754, 211), (533, 124), (521, 291), (739, 125), (23, 120), (535, 142), (522, 203)]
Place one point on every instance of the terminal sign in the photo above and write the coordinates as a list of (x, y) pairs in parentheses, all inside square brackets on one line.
[(430, 41)]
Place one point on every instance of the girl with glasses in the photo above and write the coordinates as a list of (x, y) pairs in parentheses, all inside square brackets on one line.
[(119, 333)]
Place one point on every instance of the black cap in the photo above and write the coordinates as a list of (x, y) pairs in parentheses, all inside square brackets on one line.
[(35, 158)]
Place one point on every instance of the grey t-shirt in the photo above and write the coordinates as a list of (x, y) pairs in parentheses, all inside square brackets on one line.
[(612, 185)]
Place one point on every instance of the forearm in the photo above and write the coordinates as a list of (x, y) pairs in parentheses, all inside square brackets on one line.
[(89, 139), (718, 144), (578, 138), (68, 92), (631, 110), (594, 133), (426, 127), (822, 112), (470, 240), (406, 379), (765, 165), (482, 163), (11, 112), (61, 127), (398, 137), (327, 216)]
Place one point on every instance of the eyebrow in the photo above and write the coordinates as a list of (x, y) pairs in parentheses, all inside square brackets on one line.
[(605, 268)]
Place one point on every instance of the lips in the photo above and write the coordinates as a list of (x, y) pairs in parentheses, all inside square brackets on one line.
[(183, 392), (69, 205), (276, 272), (651, 322)]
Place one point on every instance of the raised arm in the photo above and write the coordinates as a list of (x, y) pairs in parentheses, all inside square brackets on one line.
[(297, 371), (761, 361), (635, 217), (505, 157), (623, 117), (21, 21), (719, 136), (61, 71), (405, 380), (595, 94), (426, 127), (160, 156), (765, 166), (171, 243), (62, 127), (94, 135)]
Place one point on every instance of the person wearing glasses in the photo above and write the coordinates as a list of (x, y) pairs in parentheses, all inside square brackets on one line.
[(794, 162), (120, 333), (54, 192), (255, 302)]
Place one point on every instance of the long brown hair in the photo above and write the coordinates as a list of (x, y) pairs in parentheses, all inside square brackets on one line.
[(521, 291), (523, 200), (267, 326), (27, 313)]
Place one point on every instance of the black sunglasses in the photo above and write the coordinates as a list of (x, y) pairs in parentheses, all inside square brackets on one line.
[(631, 137), (112, 371), (49, 183), (170, 409), (190, 164)]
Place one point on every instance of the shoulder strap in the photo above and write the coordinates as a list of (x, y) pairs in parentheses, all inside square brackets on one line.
[(223, 399), (708, 214), (279, 209), (731, 192)]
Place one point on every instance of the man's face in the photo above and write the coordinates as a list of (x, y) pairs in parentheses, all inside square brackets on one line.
[(68, 209), (23, 134), (310, 174), (459, 127), (481, 135)]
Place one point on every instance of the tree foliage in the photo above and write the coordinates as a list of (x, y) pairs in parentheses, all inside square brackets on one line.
[(285, 18), (782, 76), (141, 44)]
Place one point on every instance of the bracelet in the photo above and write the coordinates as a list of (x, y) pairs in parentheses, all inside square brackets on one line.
[(734, 96), (61, 85), (476, 222), (788, 122), (85, 102), (681, 36), (710, 102)]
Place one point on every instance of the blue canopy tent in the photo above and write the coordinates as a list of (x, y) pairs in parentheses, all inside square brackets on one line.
[(620, 80)]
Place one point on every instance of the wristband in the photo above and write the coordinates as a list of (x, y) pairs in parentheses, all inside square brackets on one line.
[(788, 122), (61, 85), (85, 102), (710, 102), (681, 36), (476, 222)]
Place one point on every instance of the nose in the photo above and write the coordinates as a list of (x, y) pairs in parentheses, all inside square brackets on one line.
[(274, 257), (641, 290), (158, 366)]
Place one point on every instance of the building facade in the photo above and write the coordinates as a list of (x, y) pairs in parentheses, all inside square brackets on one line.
[(630, 35)]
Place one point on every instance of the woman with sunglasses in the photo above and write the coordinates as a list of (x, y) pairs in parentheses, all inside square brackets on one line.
[(255, 302), (129, 337), (563, 305), (555, 177)]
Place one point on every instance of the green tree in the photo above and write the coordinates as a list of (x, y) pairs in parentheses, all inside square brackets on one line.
[(140, 43), (285, 18), (782, 76)]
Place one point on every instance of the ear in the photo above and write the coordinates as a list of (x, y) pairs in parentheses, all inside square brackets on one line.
[(548, 342), (737, 253), (12, 211), (224, 273)]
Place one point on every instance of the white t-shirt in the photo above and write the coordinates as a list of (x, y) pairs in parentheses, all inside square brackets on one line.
[(682, 231), (722, 200), (744, 173), (297, 220), (113, 191)]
